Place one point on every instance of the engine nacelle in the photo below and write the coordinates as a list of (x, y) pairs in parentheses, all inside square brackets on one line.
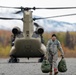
[(40, 30), (16, 30)]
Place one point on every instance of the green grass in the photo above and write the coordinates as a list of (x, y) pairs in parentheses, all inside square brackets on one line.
[(4, 51)]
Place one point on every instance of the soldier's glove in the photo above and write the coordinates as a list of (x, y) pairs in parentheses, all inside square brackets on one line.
[(62, 56)]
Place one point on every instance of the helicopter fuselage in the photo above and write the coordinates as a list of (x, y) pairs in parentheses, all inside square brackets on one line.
[(28, 46)]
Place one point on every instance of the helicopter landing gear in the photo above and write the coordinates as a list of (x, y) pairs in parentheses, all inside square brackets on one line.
[(13, 60), (41, 59)]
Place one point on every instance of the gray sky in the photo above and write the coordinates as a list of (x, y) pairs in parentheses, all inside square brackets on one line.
[(45, 3)]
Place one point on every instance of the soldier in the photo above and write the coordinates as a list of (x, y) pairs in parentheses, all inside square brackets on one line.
[(52, 47)]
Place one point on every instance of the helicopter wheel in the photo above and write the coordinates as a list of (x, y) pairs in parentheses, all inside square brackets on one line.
[(41, 59), (13, 60)]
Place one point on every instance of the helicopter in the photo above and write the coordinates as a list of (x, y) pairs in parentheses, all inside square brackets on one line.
[(29, 43)]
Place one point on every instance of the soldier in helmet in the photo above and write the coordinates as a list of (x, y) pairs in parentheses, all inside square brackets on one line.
[(52, 47)]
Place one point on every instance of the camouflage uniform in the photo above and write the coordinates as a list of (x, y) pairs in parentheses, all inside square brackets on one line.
[(52, 48)]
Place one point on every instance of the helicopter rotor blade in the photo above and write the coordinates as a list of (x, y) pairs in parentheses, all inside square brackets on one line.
[(57, 8), (36, 24), (52, 8), (21, 8), (34, 8), (18, 12), (29, 8), (54, 16), (12, 7), (10, 18)]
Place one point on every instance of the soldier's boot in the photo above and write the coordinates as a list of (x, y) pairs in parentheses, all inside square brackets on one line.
[(50, 73), (55, 71)]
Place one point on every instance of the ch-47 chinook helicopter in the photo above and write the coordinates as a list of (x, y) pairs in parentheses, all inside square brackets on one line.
[(27, 45)]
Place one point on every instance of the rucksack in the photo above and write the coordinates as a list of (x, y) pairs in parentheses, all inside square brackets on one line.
[(62, 67), (45, 66)]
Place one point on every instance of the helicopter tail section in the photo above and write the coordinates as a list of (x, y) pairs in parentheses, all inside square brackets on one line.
[(26, 48)]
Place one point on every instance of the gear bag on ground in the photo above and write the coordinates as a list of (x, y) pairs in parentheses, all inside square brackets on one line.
[(62, 67), (45, 66)]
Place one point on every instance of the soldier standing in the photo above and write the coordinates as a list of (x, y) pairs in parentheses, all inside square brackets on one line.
[(52, 47)]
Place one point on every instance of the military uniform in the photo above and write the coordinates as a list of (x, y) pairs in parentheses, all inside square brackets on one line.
[(52, 48)]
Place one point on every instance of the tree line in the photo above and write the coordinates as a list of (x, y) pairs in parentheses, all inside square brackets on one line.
[(70, 40)]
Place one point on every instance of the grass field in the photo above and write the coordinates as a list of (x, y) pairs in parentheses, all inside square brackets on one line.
[(4, 51)]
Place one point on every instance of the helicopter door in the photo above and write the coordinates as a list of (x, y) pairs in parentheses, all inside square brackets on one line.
[(27, 48)]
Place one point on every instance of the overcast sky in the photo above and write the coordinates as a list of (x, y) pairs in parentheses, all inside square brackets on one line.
[(44, 3)]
